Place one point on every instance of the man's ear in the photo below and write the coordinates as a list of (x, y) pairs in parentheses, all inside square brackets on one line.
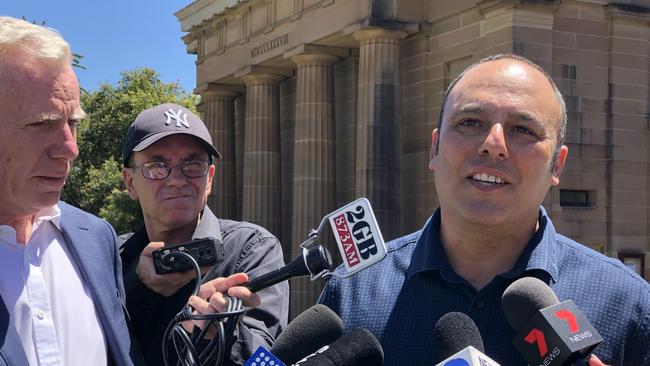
[(211, 172), (435, 137), (558, 166), (127, 175)]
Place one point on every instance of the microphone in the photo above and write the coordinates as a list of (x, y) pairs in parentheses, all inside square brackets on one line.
[(308, 332), (312, 261), (550, 332), (458, 342), (357, 348), (358, 239)]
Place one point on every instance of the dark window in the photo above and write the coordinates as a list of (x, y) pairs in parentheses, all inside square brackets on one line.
[(575, 198), (569, 72)]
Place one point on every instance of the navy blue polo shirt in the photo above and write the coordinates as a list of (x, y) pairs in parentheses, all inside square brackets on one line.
[(400, 298)]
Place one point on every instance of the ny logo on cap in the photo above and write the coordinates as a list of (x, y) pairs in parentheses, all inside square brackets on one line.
[(180, 117)]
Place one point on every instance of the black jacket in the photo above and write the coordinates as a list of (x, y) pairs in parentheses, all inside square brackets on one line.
[(248, 248)]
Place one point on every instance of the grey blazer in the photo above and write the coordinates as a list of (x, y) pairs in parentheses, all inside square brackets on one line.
[(93, 247)]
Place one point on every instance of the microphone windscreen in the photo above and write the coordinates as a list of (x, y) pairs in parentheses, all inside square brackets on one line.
[(359, 347), (524, 297), (309, 331), (453, 332)]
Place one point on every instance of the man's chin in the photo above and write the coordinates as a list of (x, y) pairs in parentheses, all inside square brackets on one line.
[(181, 217), (39, 201), (486, 214)]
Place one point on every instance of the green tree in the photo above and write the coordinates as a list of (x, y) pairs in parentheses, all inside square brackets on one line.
[(121, 211), (95, 183), (98, 184)]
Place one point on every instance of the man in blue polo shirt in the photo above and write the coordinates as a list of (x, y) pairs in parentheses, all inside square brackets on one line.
[(497, 151)]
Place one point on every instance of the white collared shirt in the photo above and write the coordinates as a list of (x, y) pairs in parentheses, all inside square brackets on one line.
[(50, 305)]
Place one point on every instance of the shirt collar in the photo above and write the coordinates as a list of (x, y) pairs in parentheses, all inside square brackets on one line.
[(208, 226), (539, 254), (540, 251), (428, 254), (52, 214)]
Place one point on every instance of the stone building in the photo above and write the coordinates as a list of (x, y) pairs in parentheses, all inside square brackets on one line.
[(314, 103)]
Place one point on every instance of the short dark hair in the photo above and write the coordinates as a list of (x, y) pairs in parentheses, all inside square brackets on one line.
[(510, 56)]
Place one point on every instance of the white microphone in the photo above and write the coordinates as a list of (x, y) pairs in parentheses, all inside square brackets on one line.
[(469, 356)]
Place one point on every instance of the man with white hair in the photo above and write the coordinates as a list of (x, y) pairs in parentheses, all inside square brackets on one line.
[(61, 291)]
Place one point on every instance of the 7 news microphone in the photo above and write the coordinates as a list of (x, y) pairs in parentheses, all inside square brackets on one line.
[(549, 332), (458, 342)]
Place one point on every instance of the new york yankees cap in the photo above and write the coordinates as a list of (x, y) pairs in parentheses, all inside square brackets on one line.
[(165, 120)]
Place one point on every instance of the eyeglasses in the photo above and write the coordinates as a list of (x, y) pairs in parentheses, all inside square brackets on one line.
[(157, 170)]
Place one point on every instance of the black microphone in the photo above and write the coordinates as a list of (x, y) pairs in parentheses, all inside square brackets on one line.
[(312, 261), (312, 329), (550, 332), (359, 347), (457, 338)]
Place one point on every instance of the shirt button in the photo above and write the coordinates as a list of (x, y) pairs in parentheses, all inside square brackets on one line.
[(40, 314), (480, 304)]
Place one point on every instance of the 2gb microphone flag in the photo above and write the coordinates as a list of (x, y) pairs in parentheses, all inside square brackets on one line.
[(357, 235)]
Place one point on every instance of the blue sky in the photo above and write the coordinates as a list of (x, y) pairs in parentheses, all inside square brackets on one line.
[(116, 35)]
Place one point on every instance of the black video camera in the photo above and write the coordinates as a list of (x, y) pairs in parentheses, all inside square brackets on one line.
[(206, 252)]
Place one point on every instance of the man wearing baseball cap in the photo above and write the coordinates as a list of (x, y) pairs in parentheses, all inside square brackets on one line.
[(168, 169)]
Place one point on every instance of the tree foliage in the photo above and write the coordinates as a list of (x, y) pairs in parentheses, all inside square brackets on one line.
[(95, 183), (121, 211)]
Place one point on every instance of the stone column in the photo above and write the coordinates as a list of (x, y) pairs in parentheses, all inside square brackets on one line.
[(240, 121), (261, 186), (346, 87), (219, 117), (314, 189), (627, 148), (287, 127), (378, 126)]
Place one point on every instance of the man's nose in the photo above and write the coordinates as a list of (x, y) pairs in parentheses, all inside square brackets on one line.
[(494, 144), (176, 176), (65, 142)]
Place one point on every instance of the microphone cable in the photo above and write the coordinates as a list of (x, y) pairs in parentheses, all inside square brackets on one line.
[(189, 350)]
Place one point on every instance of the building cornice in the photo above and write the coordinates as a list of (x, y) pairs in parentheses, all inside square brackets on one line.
[(200, 11)]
